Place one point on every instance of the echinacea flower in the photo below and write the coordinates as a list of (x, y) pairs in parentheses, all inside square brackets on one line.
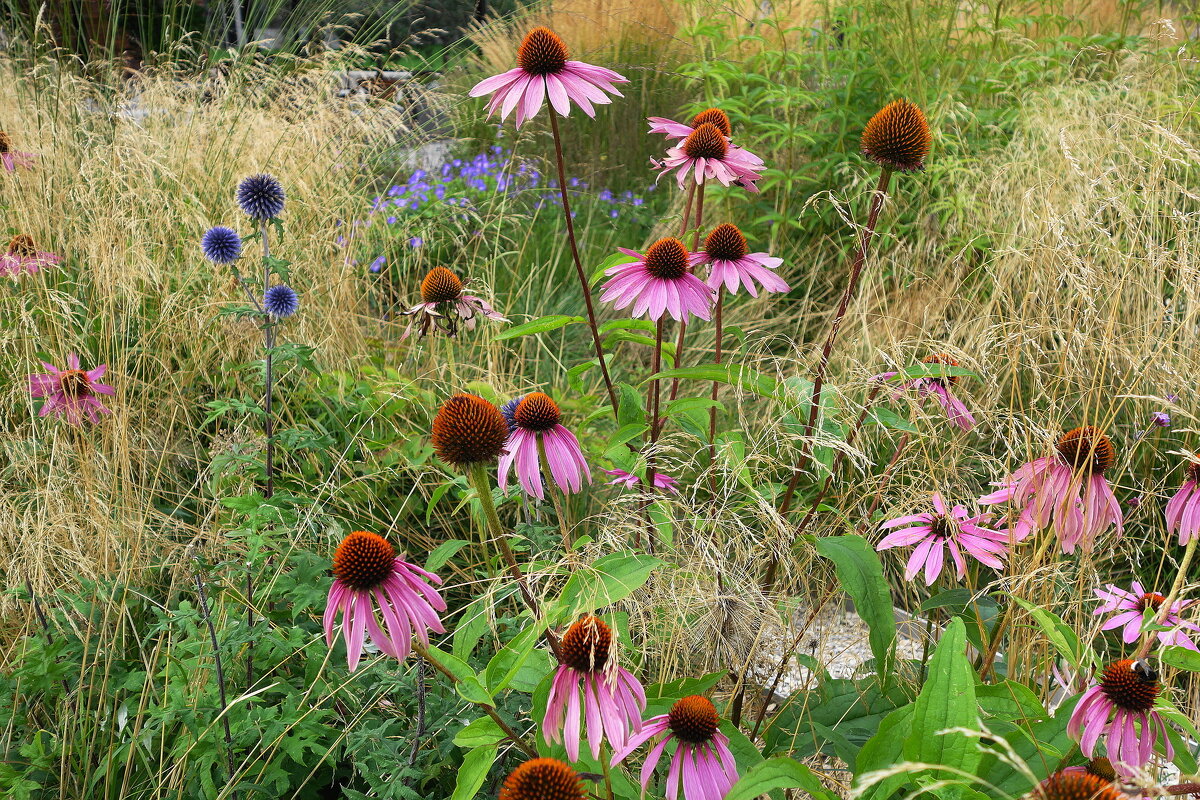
[(631, 481), (280, 301), (71, 393), (702, 762), (708, 154), (1067, 489), (367, 572), (1130, 607), (1183, 509), (1120, 709), (1076, 783), (659, 280), (731, 263), (443, 305), (469, 430), (544, 71), (939, 388), (612, 698), (539, 425), (23, 256), (260, 197), (898, 137), (543, 779), (221, 245), (11, 159), (677, 130), (944, 529)]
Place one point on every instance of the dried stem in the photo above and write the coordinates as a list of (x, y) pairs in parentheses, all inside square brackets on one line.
[(216, 647)]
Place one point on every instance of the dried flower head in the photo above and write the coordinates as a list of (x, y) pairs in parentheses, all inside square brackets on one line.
[(898, 137), (586, 645), (441, 286), (22, 245), (469, 430), (5, 142)]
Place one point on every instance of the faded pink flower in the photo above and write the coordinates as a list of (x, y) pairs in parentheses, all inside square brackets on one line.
[(11, 159), (631, 481), (939, 387), (659, 281), (71, 393), (1183, 509), (23, 256), (1130, 607), (935, 533)]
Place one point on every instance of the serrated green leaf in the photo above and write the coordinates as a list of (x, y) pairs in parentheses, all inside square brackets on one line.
[(611, 579)]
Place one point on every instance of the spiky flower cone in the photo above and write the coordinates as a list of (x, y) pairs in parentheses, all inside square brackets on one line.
[(543, 779), (469, 430), (897, 137)]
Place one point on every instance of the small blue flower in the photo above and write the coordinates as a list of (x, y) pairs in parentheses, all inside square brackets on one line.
[(1160, 419), (391, 220), (378, 264), (416, 241), (509, 411), (614, 213), (221, 245), (261, 197), (281, 301)]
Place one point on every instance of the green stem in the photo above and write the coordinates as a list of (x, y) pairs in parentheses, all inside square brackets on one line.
[(1180, 579)]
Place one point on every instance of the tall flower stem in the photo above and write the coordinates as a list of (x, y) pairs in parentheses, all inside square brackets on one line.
[(856, 268), (1180, 579), (695, 246), (653, 399), (269, 344), (216, 647), (712, 412), (478, 477), (884, 480), (583, 280)]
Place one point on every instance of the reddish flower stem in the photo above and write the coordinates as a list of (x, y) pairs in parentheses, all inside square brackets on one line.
[(884, 479)]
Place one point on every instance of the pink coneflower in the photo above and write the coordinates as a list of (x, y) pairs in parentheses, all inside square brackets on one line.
[(444, 305), (544, 71), (23, 255), (71, 393), (12, 159), (367, 571), (678, 130), (631, 481), (537, 419), (659, 280), (613, 700), (1183, 509), (707, 153), (939, 389), (702, 762), (935, 532), (1131, 607), (1067, 489), (732, 263), (1124, 696)]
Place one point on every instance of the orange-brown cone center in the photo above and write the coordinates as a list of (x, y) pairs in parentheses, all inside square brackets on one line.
[(440, 286), (945, 360), (1087, 450), (1193, 469), (706, 141), (5, 142), (1131, 685), (667, 259), (75, 383), (537, 412), (726, 243), (22, 245), (543, 779), (898, 137), (542, 52), (363, 560), (586, 645), (1152, 600), (469, 430), (1101, 767), (693, 719), (716, 117), (1076, 786)]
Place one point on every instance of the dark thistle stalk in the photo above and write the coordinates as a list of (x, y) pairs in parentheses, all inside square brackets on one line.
[(216, 647)]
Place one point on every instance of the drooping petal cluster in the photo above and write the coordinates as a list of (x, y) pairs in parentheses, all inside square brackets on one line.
[(536, 418), (71, 393), (445, 304), (22, 256), (702, 764), (1129, 608), (938, 388), (943, 530), (659, 281), (12, 160), (707, 154), (1183, 509), (1119, 710), (631, 481)]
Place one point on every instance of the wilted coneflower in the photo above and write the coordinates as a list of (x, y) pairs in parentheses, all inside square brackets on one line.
[(539, 434), (1075, 783), (366, 572), (260, 197), (1120, 709), (469, 430), (939, 388), (71, 393), (11, 159), (731, 263), (1067, 489), (944, 529), (1183, 509), (280, 301), (1130, 608), (544, 71), (612, 698), (707, 153), (443, 305), (702, 761), (543, 779), (23, 256), (221, 245), (660, 280), (631, 481), (898, 137)]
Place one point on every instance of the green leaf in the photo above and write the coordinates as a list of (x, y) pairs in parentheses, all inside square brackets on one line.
[(735, 374), (471, 690), (883, 751), (1064, 640), (1180, 658), (611, 579), (480, 733), (474, 771), (624, 434), (950, 598), (539, 325), (611, 261), (455, 666), (861, 576), (631, 412), (778, 773), (947, 700), (890, 419), (443, 553), (511, 659)]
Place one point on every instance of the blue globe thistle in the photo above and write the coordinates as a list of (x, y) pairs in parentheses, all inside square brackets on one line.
[(509, 412), (221, 245), (261, 197), (281, 301)]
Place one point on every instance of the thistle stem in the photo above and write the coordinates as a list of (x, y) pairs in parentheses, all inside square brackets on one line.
[(1180, 578), (269, 345), (856, 268), (216, 647), (583, 281)]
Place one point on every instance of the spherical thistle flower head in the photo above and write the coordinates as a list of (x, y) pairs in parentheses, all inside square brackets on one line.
[(1075, 785), (260, 197), (731, 264), (367, 574), (1183, 509), (221, 245), (659, 281), (469, 430), (543, 779), (281, 301), (898, 137), (1120, 709), (509, 410), (538, 421)]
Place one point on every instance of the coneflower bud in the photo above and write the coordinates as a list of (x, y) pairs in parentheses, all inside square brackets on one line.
[(543, 779), (706, 141), (694, 719), (726, 243), (714, 116), (898, 137), (1087, 450), (542, 52), (667, 259), (441, 286), (469, 430)]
